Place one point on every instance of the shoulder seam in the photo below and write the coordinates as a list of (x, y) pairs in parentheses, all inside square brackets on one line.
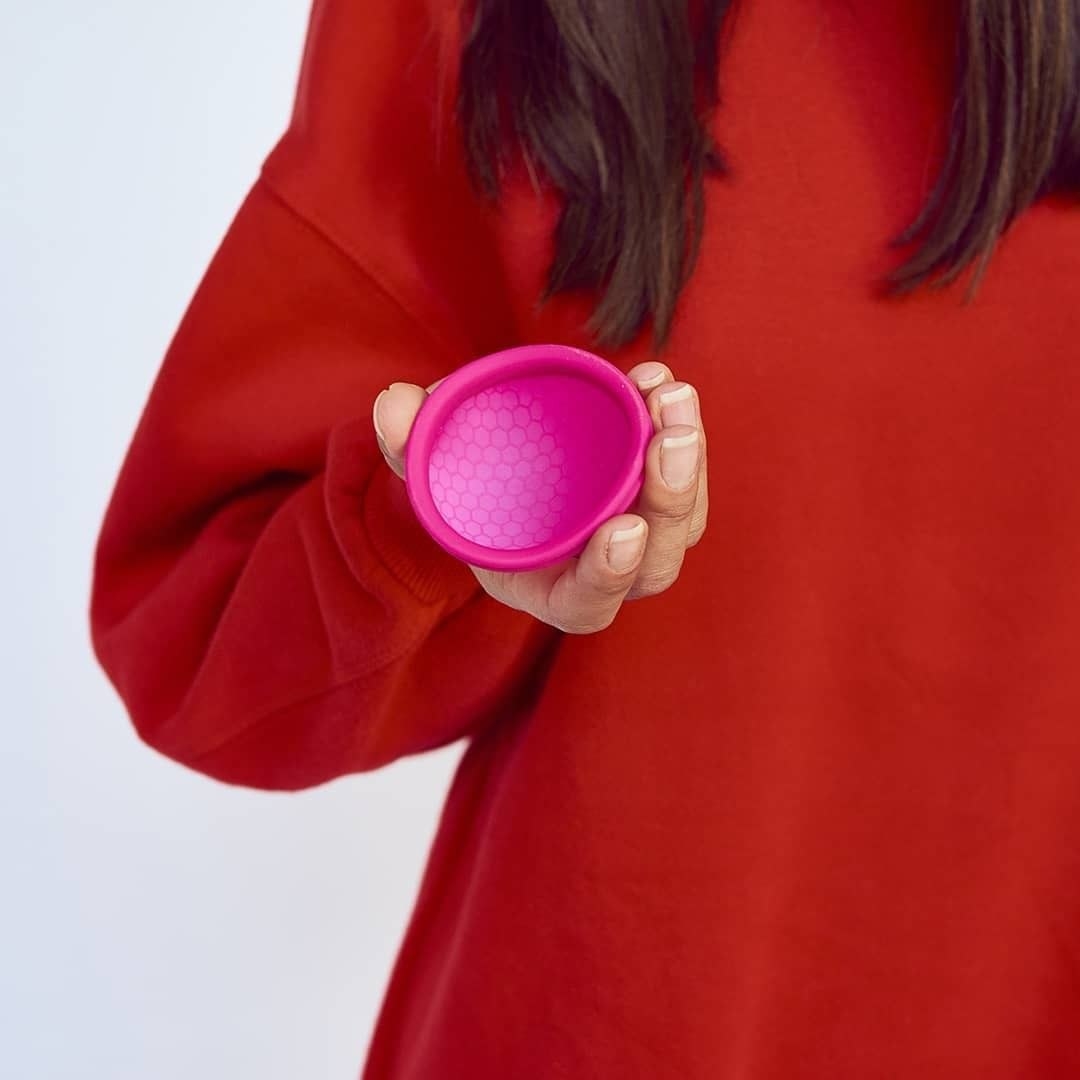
[(311, 222)]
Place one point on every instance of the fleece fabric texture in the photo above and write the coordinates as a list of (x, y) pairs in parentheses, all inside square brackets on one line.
[(812, 813)]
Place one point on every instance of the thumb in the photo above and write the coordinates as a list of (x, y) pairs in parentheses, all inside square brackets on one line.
[(393, 414)]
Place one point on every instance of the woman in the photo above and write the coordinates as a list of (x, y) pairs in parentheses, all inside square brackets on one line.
[(801, 802)]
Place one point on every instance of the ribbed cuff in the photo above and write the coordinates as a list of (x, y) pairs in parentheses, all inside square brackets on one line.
[(405, 547), (373, 520)]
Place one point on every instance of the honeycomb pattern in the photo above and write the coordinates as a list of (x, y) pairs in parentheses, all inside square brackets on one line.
[(497, 472)]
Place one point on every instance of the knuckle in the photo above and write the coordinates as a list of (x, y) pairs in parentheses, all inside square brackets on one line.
[(608, 584), (697, 531), (652, 584), (612, 585), (671, 515), (674, 509)]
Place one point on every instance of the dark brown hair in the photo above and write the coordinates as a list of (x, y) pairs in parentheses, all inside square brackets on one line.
[(614, 112)]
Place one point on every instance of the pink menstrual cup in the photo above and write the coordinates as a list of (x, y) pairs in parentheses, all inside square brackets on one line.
[(515, 459)]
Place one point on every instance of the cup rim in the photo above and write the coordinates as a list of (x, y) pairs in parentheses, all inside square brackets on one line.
[(471, 379)]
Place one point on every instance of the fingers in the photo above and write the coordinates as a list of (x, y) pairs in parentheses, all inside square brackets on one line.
[(699, 518), (654, 376), (678, 403), (393, 414), (667, 501), (582, 595), (637, 554), (674, 495), (587, 596)]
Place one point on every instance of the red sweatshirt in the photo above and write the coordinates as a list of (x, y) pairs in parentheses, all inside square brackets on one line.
[(815, 811)]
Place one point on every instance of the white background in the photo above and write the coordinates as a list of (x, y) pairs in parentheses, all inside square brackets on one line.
[(154, 924)]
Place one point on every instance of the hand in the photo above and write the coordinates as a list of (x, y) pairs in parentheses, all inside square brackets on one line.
[(630, 556)]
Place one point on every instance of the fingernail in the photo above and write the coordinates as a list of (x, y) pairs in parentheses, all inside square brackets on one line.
[(375, 416), (678, 407), (650, 376), (625, 546), (678, 460)]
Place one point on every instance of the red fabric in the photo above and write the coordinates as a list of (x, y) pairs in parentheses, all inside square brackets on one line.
[(814, 812)]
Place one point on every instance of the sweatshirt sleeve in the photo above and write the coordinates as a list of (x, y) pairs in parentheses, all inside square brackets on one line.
[(263, 599)]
